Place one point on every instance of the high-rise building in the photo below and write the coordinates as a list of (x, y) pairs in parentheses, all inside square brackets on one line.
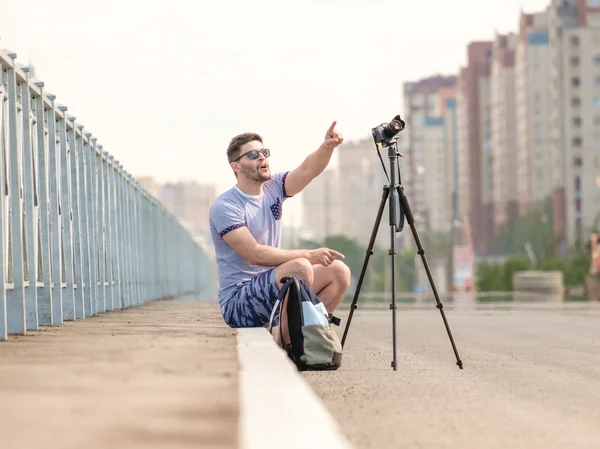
[(533, 109), (504, 153), (424, 105), (575, 116), (437, 171), (462, 145), (475, 176)]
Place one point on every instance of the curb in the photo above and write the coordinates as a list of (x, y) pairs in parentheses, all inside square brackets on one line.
[(278, 409)]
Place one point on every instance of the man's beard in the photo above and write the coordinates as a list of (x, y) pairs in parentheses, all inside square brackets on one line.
[(255, 174)]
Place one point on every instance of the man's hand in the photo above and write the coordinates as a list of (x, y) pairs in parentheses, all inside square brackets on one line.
[(333, 138), (323, 256)]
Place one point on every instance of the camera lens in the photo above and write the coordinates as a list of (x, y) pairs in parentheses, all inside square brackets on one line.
[(394, 127)]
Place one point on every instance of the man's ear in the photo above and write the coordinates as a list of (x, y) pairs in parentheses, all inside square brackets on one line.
[(235, 166)]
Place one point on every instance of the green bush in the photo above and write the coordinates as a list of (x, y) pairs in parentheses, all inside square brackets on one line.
[(498, 276)]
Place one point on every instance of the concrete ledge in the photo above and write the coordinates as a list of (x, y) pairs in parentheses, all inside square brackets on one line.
[(278, 409)]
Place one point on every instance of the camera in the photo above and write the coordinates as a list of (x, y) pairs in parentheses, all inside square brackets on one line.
[(387, 133)]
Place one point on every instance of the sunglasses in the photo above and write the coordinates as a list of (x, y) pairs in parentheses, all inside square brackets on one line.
[(253, 154)]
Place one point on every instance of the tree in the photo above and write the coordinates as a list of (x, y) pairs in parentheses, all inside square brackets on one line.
[(534, 227)]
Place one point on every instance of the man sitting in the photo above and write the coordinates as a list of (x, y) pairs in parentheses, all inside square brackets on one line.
[(245, 223)]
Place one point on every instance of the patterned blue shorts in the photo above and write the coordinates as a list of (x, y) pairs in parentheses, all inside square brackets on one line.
[(252, 303)]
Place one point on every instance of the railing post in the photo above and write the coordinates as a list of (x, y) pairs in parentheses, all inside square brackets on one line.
[(44, 293), (75, 138), (137, 238), (3, 224), (67, 217), (114, 234), (110, 299), (103, 304), (55, 216), (93, 224), (84, 221), (129, 219), (29, 183), (15, 297), (122, 232)]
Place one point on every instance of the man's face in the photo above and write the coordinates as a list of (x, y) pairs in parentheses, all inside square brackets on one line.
[(254, 169)]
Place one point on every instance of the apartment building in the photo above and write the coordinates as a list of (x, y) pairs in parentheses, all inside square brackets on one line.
[(575, 120), (504, 153), (533, 110), (475, 174), (424, 105), (462, 146), (439, 163)]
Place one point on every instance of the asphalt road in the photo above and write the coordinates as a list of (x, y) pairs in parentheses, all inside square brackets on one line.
[(531, 379)]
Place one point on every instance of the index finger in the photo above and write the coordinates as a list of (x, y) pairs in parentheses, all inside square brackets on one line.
[(335, 253), (330, 130)]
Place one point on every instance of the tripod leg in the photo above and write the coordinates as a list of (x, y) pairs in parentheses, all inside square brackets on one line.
[(353, 306), (411, 222)]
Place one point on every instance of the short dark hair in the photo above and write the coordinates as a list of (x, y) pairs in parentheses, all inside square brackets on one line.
[(238, 142)]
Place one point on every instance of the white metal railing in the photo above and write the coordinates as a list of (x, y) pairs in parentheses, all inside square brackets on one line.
[(79, 235)]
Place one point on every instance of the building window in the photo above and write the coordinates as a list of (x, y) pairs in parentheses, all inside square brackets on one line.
[(596, 120), (575, 102), (577, 141), (574, 41), (597, 81), (593, 3), (575, 81), (577, 121), (597, 102), (575, 61), (578, 162), (597, 60)]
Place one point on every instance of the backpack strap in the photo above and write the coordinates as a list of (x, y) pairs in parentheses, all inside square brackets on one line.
[(295, 318)]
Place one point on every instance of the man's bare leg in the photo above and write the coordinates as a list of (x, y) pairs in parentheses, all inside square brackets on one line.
[(331, 283), (302, 269)]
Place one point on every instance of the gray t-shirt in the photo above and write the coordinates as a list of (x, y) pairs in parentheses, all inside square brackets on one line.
[(261, 214)]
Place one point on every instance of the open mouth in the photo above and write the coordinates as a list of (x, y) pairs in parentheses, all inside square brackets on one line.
[(263, 167)]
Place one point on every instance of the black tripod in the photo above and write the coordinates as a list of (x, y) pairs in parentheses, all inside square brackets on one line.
[(389, 193)]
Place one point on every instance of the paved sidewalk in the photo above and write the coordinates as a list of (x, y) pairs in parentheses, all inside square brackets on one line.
[(161, 375)]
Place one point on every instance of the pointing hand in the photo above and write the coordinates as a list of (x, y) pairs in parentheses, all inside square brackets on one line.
[(333, 138)]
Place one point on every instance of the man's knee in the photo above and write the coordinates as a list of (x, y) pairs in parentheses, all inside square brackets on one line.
[(301, 268), (342, 273)]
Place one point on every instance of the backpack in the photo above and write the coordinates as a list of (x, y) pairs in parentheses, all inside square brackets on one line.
[(314, 344)]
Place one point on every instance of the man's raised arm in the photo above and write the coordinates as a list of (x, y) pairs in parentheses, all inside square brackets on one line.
[(314, 164)]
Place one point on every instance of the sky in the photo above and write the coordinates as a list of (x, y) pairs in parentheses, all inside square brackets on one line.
[(166, 84)]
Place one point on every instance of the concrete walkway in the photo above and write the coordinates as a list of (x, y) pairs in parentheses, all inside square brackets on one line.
[(164, 375)]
